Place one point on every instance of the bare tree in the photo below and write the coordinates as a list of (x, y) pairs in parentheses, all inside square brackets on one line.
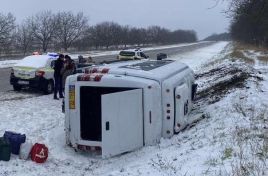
[(107, 34), (84, 42), (7, 26), (24, 37), (124, 36), (115, 34), (136, 36), (249, 21), (157, 34), (70, 28), (43, 25)]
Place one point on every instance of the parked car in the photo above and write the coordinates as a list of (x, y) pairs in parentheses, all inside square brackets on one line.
[(161, 56), (133, 54), (34, 71)]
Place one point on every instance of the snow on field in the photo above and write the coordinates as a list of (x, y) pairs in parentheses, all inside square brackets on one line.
[(207, 148)]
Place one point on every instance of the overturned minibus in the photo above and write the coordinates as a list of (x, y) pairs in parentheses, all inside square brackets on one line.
[(121, 107)]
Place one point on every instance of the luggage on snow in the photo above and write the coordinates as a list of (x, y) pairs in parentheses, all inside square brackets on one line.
[(25, 150), (5, 150), (15, 140), (39, 153)]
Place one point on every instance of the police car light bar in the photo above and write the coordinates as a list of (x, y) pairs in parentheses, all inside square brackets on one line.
[(53, 54)]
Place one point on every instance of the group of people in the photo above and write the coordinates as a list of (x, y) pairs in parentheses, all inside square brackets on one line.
[(63, 67)]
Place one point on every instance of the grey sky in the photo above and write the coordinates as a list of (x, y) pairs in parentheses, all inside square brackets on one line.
[(172, 14)]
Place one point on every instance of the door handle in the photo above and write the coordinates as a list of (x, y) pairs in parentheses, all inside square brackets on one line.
[(107, 126)]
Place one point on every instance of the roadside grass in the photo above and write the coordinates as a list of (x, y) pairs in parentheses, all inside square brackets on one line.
[(237, 53), (227, 153), (240, 49), (163, 165), (243, 46), (251, 148), (245, 146), (213, 162), (249, 152), (263, 59)]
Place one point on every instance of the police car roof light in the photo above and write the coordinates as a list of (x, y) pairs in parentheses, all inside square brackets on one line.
[(53, 54)]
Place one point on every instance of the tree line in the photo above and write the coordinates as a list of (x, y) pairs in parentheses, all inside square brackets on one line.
[(249, 21), (67, 30), (219, 37)]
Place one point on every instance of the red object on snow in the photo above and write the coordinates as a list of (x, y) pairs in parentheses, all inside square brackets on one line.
[(39, 153)]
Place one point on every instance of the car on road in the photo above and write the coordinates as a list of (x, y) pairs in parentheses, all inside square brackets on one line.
[(131, 54), (34, 71)]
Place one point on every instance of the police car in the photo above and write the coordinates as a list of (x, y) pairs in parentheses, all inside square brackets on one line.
[(34, 71), (131, 54)]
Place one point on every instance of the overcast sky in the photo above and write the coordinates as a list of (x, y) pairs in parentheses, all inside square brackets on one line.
[(172, 14)]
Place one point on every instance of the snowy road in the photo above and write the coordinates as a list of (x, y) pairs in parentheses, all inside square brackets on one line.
[(199, 150), (171, 50)]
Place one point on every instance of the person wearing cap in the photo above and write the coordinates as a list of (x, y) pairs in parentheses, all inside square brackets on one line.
[(58, 66)]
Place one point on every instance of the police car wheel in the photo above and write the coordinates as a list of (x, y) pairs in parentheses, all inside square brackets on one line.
[(17, 87), (49, 87)]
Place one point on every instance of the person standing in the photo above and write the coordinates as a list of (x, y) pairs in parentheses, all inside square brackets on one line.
[(68, 69), (58, 66)]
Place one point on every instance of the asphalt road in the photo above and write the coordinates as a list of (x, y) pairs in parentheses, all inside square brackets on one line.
[(152, 53), (5, 73)]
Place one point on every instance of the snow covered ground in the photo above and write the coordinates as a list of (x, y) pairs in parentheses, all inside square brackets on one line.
[(222, 143)]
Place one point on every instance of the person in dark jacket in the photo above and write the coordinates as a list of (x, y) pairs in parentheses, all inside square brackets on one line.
[(68, 69), (58, 66)]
